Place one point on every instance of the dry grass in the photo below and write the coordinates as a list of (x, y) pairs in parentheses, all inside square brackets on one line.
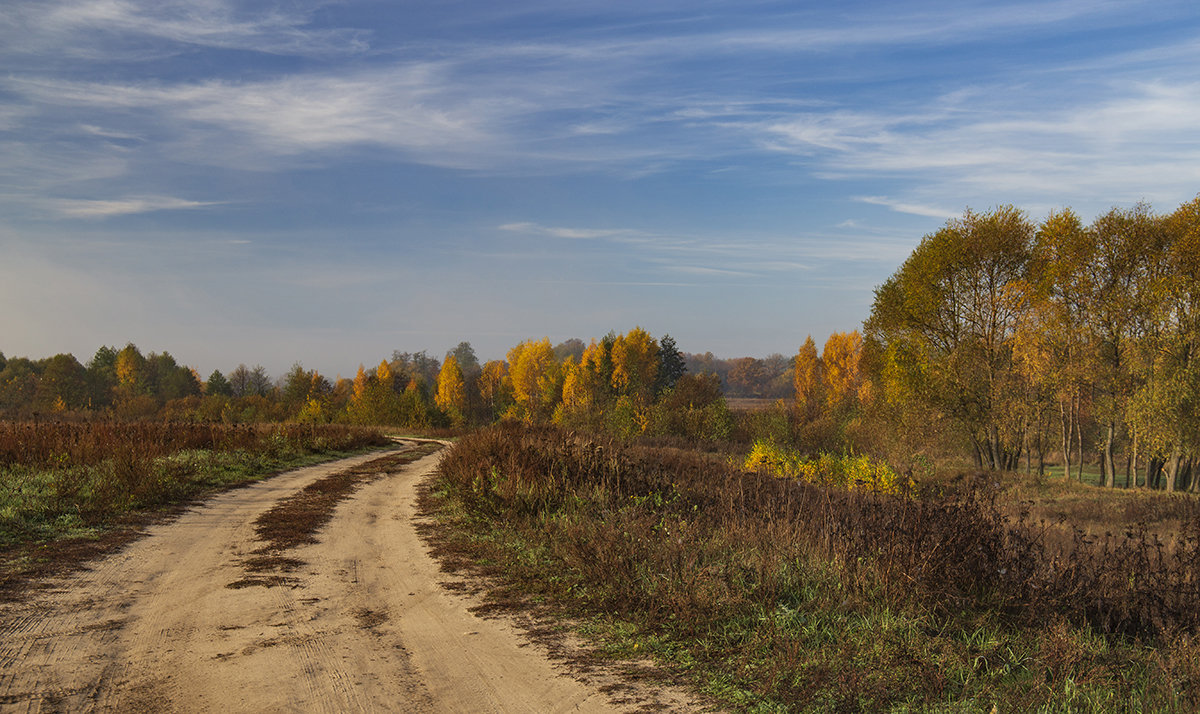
[(72, 491), (775, 593), (296, 520), (59, 444)]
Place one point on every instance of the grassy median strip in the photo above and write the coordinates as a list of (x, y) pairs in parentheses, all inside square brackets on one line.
[(773, 595)]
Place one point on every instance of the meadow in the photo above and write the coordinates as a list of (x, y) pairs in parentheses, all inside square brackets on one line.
[(975, 592)]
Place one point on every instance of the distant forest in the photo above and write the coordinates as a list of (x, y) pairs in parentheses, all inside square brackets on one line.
[(410, 389), (1011, 343)]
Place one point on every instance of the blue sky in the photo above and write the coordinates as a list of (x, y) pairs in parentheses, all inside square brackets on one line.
[(326, 182)]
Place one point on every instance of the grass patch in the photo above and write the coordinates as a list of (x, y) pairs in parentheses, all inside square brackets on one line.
[(295, 520), (773, 595), (62, 504)]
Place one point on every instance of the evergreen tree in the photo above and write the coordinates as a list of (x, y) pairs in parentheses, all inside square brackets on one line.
[(671, 365)]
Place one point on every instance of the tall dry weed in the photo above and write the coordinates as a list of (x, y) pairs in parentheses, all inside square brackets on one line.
[(671, 532)]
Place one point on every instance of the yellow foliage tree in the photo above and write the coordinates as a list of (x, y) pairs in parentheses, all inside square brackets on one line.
[(808, 379), (451, 395), (536, 379), (494, 388), (360, 386), (635, 365), (130, 364), (843, 375), (383, 375)]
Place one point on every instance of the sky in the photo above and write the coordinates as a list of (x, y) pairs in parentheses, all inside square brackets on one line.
[(326, 182)]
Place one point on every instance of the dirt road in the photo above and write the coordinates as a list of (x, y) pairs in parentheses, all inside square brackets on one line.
[(364, 625)]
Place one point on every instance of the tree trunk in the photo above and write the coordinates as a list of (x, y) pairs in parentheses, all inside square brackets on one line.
[(1041, 447), (1173, 468), (1079, 450), (1110, 471), (1028, 448), (996, 457), (1068, 425), (1131, 464)]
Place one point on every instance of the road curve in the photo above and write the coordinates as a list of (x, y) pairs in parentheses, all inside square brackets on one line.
[(363, 627)]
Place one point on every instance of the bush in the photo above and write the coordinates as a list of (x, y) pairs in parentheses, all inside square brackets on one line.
[(851, 472)]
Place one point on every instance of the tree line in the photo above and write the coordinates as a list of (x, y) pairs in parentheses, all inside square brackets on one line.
[(626, 383), (1019, 341), (127, 384)]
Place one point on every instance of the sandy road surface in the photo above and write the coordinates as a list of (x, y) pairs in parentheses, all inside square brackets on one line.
[(365, 627)]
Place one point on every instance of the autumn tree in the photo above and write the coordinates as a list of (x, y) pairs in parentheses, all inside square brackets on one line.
[(495, 389), (62, 385), (1165, 407), (587, 392), (841, 372), (1123, 272), (415, 369), (635, 365), (809, 380), (951, 310), (747, 376), (371, 402), (18, 384), (304, 395), (536, 379), (130, 368), (451, 391), (1054, 349)]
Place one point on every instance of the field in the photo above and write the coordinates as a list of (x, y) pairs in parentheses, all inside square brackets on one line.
[(70, 483), (967, 594)]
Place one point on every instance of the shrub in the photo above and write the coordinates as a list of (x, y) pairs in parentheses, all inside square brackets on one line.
[(852, 472)]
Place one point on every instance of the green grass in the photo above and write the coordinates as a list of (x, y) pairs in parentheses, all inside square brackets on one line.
[(1091, 476)]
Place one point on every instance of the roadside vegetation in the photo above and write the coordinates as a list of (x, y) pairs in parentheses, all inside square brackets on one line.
[(776, 594), (78, 480)]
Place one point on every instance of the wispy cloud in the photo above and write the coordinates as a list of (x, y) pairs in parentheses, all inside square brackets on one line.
[(902, 207), (76, 208), (572, 233), (715, 258), (402, 107), (108, 28), (1139, 137), (708, 271)]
